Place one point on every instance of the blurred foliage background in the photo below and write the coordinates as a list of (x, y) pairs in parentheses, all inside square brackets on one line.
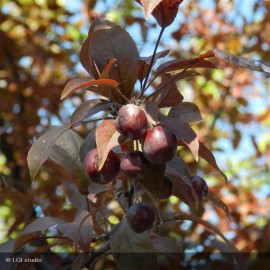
[(40, 42)]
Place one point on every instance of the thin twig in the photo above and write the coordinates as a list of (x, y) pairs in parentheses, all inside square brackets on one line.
[(151, 63)]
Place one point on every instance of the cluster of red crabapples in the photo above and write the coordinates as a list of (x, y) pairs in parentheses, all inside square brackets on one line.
[(158, 145)]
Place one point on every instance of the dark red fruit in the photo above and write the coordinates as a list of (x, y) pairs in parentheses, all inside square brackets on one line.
[(131, 121), (200, 186), (159, 145), (134, 164), (140, 217), (109, 170), (166, 188)]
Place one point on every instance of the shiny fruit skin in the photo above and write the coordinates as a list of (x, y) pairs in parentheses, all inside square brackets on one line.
[(159, 145), (131, 121), (108, 172), (200, 186), (134, 165), (140, 217)]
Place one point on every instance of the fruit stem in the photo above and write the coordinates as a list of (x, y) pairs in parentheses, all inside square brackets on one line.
[(130, 196), (121, 94), (151, 63)]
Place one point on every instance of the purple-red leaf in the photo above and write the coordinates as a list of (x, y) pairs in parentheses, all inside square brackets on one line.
[(219, 203), (116, 43), (207, 155), (22, 201), (39, 225), (80, 83), (166, 245), (152, 112), (80, 230), (258, 65), (164, 11), (207, 225), (183, 132), (124, 240), (186, 112), (107, 137), (40, 150), (145, 63), (86, 59), (88, 109), (181, 181), (183, 63), (169, 94), (153, 180), (178, 167)]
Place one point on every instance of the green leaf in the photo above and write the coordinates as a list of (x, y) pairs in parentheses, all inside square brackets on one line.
[(40, 150)]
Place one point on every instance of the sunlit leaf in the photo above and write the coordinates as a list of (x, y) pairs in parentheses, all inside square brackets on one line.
[(123, 49), (148, 6), (164, 11), (80, 83), (107, 137)]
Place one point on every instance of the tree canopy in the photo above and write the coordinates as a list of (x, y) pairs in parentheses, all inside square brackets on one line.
[(39, 57)]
